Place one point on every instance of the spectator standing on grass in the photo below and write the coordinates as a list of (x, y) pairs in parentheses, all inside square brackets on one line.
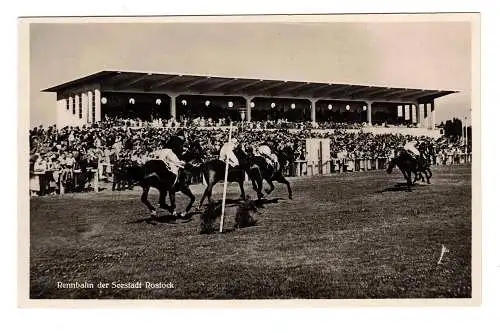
[(40, 169)]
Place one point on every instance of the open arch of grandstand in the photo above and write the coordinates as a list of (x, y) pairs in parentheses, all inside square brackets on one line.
[(215, 101)]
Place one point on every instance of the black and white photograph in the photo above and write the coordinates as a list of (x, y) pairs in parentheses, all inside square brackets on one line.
[(235, 158)]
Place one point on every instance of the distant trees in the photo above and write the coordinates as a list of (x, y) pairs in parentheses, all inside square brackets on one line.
[(454, 129)]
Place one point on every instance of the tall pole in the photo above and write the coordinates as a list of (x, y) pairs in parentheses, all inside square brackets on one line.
[(225, 183)]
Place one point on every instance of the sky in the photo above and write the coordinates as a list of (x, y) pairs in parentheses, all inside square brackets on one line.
[(426, 55)]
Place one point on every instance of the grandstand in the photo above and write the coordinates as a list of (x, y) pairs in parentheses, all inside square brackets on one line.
[(215, 101)]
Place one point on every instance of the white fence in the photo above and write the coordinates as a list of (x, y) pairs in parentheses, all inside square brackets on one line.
[(305, 168)]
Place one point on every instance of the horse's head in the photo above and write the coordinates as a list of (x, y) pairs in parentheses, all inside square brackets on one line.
[(194, 153), (241, 155), (286, 156)]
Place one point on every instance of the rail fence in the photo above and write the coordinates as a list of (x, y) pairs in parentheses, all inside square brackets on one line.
[(42, 183)]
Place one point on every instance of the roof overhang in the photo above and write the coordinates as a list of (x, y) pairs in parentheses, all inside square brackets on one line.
[(213, 85)]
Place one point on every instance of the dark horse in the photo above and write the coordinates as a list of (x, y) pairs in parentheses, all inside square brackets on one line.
[(256, 167), (273, 173), (214, 171), (408, 166), (156, 174)]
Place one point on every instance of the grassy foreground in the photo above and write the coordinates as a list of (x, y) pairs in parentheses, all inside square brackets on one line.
[(342, 236)]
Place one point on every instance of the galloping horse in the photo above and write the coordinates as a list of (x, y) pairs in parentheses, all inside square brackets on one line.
[(156, 174), (408, 165), (214, 171), (273, 173)]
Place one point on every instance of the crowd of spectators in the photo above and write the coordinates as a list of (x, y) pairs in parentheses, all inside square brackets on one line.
[(62, 152)]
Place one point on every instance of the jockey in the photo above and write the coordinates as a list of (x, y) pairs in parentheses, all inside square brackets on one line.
[(411, 148), (265, 151), (414, 149), (227, 151), (173, 148)]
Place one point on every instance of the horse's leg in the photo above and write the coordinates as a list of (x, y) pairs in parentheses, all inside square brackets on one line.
[(207, 193), (409, 179), (210, 180), (242, 190), (171, 194), (417, 177), (256, 178), (187, 191), (429, 176), (254, 185), (163, 199), (282, 180), (260, 182), (144, 199), (271, 186)]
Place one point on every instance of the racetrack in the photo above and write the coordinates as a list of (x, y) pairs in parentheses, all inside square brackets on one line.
[(352, 235)]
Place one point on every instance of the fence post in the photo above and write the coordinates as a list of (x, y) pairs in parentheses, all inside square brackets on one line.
[(61, 186), (96, 179)]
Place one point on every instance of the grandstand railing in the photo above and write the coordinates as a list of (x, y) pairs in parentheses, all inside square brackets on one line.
[(300, 168)]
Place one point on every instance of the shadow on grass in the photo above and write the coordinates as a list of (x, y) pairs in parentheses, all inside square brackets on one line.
[(244, 217), (399, 187), (166, 219), (403, 187), (261, 203)]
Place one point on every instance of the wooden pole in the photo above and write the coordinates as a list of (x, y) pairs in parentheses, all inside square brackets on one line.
[(225, 183)]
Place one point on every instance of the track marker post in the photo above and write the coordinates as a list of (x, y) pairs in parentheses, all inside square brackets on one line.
[(225, 182)]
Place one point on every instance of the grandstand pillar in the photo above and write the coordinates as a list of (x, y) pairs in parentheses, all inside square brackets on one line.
[(90, 107), (76, 119), (414, 114), (85, 107), (428, 111), (407, 112), (313, 109), (248, 100), (173, 106), (419, 114), (97, 101), (369, 112)]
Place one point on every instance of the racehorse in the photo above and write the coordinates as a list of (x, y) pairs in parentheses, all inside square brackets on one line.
[(274, 173), (408, 165), (256, 167), (156, 174), (214, 171)]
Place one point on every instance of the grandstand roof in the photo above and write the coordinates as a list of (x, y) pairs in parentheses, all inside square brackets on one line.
[(213, 85)]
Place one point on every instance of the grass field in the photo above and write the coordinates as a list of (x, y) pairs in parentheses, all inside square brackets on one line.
[(342, 236)]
